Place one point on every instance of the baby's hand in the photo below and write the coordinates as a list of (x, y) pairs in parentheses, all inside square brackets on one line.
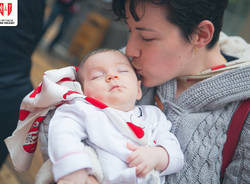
[(77, 177), (146, 158)]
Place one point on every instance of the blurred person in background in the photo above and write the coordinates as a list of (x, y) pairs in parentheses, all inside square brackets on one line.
[(17, 45), (64, 8)]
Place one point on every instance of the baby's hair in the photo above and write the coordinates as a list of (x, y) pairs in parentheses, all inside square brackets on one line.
[(97, 51)]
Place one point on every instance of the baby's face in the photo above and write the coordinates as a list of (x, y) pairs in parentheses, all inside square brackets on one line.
[(109, 78)]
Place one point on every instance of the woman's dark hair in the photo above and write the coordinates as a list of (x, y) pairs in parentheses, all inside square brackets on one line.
[(185, 14)]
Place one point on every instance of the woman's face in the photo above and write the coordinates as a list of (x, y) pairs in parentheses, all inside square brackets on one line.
[(159, 52)]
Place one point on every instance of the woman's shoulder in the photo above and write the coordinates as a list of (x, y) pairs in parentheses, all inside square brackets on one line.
[(234, 46)]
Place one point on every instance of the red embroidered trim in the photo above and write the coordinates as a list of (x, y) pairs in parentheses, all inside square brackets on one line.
[(218, 67), (65, 79), (137, 130), (69, 93), (96, 103)]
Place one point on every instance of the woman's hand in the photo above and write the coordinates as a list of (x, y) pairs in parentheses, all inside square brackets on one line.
[(77, 177), (92, 180), (146, 158)]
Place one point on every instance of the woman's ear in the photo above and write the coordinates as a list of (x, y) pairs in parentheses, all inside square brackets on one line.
[(203, 34), (139, 92)]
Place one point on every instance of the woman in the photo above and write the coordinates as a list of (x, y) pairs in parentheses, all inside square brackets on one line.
[(174, 46)]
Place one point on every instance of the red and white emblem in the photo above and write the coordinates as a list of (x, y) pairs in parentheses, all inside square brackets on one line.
[(32, 136), (8, 12), (5, 7)]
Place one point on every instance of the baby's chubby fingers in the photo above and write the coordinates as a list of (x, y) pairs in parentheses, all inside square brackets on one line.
[(144, 172), (140, 170), (133, 155), (132, 147), (134, 162)]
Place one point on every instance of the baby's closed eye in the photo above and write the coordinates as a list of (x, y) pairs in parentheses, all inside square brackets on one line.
[(122, 69), (96, 75)]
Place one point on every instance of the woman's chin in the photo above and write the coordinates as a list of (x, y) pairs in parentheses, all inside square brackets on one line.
[(148, 83)]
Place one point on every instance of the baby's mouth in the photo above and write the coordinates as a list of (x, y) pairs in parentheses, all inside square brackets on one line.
[(114, 87)]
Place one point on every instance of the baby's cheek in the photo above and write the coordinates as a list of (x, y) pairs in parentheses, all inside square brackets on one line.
[(86, 91), (93, 93), (89, 89)]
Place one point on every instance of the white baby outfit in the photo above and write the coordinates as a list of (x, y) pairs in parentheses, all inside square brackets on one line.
[(79, 121), (59, 87)]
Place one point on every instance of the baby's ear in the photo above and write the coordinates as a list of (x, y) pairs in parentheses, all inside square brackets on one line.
[(139, 92)]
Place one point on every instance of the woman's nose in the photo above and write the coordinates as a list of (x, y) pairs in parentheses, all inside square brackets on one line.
[(132, 49), (111, 77)]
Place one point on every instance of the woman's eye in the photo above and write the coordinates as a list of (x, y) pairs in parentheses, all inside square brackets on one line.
[(147, 39)]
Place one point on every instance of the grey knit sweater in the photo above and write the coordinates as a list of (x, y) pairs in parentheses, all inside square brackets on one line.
[(200, 118)]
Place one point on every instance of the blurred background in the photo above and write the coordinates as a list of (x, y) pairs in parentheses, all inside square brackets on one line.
[(92, 26)]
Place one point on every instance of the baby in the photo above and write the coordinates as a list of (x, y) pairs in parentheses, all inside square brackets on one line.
[(131, 148)]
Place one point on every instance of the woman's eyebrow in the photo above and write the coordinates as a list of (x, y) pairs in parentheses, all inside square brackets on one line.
[(144, 29), (140, 28)]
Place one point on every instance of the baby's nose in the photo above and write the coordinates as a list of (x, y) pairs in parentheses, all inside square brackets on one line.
[(111, 77)]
